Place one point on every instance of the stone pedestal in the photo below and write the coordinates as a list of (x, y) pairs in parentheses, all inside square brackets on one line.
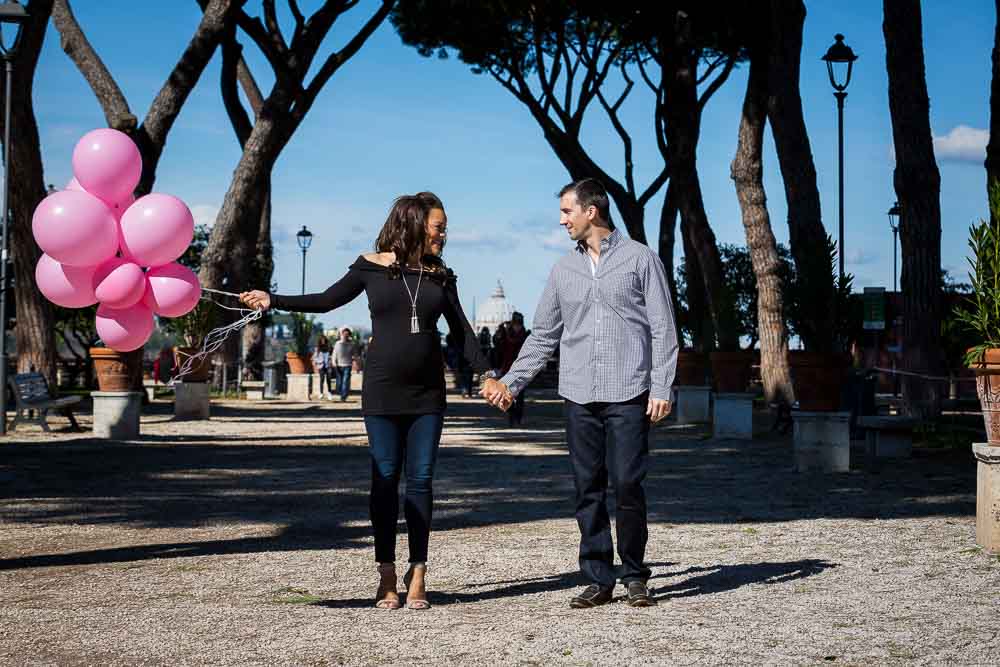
[(822, 441), (191, 400), (150, 387), (987, 497), (116, 414), (254, 389), (732, 416), (299, 386), (888, 437), (692, 404)]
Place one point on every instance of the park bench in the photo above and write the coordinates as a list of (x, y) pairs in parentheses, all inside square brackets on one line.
[(888, 436), (32, 396)]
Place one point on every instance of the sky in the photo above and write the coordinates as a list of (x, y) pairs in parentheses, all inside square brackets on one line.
[(391, 122)]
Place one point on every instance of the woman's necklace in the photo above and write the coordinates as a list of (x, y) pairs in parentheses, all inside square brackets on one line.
[(414, 321)]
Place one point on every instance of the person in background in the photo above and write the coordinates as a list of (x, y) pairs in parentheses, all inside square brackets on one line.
[(510, 346), (343, 357), (321, 364)]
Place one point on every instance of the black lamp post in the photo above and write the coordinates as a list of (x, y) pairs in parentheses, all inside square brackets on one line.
[(894, 226), (12, 18), (837, 56), (305, 239)]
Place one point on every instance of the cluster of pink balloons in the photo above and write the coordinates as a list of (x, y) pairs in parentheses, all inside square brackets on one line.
[(97, 239)]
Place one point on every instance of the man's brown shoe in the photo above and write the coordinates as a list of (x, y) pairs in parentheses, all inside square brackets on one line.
[(638, 595), (592, 596)]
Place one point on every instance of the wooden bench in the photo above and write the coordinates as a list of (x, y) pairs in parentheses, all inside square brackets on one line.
[(31, 395), (888, 437)]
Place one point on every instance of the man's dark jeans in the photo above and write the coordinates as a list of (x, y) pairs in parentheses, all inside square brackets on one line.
[(343, 375), (599, 434)]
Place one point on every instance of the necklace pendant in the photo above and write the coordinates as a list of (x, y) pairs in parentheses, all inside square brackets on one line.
[(414, 324)]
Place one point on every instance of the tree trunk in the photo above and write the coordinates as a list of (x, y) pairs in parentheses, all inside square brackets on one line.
[(993, 147), (667, 241), (683, 130), (228, 261), (747, 172), (807, 236), (35, 330), (918, 185), (699, 318)]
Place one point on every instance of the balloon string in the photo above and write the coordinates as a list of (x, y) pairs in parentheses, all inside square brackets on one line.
[(216, 337)]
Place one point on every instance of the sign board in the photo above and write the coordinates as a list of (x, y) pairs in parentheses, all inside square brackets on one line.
[(874, 307)]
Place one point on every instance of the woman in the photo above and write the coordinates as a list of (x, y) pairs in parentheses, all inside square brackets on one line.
[(321, 363), (510, 346), (403, 397)]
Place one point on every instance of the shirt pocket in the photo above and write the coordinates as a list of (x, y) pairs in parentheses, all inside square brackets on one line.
[(623, 291)]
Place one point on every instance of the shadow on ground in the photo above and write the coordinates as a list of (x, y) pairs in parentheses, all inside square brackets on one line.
[(318, 489)]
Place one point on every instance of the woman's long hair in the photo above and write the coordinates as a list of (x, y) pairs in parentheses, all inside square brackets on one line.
[(404, 232), (322, 344)]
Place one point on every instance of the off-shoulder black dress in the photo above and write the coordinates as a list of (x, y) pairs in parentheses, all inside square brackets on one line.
[(404, 372)]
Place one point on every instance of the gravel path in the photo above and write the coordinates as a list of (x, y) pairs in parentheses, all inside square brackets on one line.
[(244, 540)]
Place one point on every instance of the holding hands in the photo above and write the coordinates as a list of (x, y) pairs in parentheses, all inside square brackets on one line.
[(496, 394), (256, 299)]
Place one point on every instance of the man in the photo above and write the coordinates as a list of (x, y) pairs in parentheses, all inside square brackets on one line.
[(510, 347), (607, 306), (343, 357)]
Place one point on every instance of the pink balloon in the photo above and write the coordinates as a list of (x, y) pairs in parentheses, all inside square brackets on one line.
[(75, 228), (66, 286), (107, 164), (157, 229), (117, 207), (125, 329), (173, 290), (119, 283)]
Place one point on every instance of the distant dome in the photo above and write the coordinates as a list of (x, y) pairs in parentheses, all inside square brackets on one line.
[(494, 311)]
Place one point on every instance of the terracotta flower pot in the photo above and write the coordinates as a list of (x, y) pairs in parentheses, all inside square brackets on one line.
[(988, 387), (692, 369), (112, 369), (298, 363), (201, 369), (818, 379), (732, 370)]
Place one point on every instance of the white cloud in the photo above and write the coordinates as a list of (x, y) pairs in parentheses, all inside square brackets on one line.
[(860, 257), (204, 214), (962, 144), (484, 240), (557, 240)]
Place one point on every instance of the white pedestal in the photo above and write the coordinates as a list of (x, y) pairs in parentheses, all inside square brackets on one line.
[(116, 414), (254, 389), (299, 386), (822, 441), (692, 404), (191, 400), (733, 416), (987, 497)]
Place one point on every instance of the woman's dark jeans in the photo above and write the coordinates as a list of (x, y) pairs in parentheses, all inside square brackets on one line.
[(393, 439)]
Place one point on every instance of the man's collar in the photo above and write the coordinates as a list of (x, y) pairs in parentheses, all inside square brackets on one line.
[(609, 241)]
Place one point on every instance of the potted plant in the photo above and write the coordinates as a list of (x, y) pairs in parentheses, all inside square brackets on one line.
[(189, 332), (112, 369), (981, 315), (824, 326), (299, 357)]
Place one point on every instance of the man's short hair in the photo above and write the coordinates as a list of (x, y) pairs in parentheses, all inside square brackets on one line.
[(347, 329), (591, 192)]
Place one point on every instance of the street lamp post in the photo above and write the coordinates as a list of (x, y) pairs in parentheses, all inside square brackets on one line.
[(305, 239), (894, 226), (839, 63), (12, 16)]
